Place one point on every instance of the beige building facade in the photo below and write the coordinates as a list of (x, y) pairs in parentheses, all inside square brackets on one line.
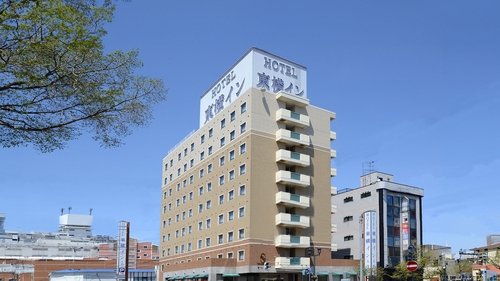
[(247, 194)]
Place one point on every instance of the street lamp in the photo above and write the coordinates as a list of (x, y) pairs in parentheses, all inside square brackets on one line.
[(310, 252)]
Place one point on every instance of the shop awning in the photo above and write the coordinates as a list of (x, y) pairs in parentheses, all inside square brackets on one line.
[(201, 276), (351, 273), (230, 275), (178, 277), (189, 276), (322, 273), (337, 273)]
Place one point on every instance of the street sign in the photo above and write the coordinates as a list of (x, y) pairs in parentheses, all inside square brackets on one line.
[(412, 265)]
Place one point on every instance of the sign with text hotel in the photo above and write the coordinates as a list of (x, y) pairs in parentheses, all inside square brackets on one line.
[(258, 69)]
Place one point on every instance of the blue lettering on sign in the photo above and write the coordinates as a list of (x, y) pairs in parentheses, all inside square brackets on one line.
[(280, 67), (278, 84), (263, 80), (218, 105)]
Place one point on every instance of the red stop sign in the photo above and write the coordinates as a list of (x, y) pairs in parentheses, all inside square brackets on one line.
[(411, 265)]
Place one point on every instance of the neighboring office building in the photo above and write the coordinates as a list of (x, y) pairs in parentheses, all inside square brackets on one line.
[(398, 213), (247, 194)]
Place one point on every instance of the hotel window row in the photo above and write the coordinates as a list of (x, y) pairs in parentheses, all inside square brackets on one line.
[(207, 240), (208, 222)]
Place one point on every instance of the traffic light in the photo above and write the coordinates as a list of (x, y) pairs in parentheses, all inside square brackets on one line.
[(266, 265)]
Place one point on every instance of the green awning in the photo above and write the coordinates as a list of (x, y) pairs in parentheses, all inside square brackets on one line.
[(351, 273), (337, 273), (178, 277), (189, 276), (170, 278), (201, 276), (322, 273), (230, 275)]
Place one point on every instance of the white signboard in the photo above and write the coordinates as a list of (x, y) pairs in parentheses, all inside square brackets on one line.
[(121, 258), (258, 69), (370, 245)]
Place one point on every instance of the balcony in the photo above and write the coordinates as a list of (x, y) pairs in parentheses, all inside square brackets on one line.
[(292, 118), (292, 138), (289, 241), (333, 172), (291, 178), (289, 220), (333, 135), (333, 190), (290, 263), (290, 99), (333, 153), (292, 200), (333, 247), (333, 228), (292, 158), (333, 209)]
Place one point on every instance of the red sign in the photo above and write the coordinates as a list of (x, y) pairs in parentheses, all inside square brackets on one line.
[(411, 265)]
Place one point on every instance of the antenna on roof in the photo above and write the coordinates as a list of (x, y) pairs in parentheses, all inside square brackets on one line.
[(367, 170), (69, 210), (91, 211), (62, 211)]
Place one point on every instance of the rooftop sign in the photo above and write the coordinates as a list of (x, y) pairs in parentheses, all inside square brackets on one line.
[(258, 69)]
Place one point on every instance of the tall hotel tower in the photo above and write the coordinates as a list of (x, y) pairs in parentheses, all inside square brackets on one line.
[(247, 195)]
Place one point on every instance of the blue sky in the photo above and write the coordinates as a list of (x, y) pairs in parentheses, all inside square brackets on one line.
[(415, 85)]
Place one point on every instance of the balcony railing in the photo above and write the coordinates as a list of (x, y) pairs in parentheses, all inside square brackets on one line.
[(297, 263), (292, 200), (333, 153), (333, 172), (290, 99), (289, 241), (292, 138), (292, 118), (333, 135), (290, 220), (293, 158), (291, 178)]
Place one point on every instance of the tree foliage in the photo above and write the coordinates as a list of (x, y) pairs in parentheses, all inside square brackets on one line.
[(56, 81)]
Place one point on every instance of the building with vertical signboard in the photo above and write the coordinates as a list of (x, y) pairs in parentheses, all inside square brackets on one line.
[(377, 221), (246, 194)]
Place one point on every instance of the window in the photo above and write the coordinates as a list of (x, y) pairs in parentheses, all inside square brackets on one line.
[(168, 252), (221, 199), (202, 155), (220, 238), (169, 221), (192, 146), (179, 156), (243, 128), (202, 173), (164, 224), (200, 244), (241, 212), (191, 163), (170, 192), (183, 231), (165, 181), (241, 233), (231, 175), (365, 194), (230, 236), (166, 166), (184, 215), (233, 115), (190, 229), (178, 187), (222, 141), (231, 135), (348, 238), (243, 148), (201, 190), (185, 167), (209, 223), (221, 180), (200, 225), (191, 195), (243, 107), (210, 150), (222, 161), (241, 255), (191, 179), (223, 123), (176, 233), (207, 241), (221, 219), (210, 133), (171, 162), (177, 202), (209, 168), (179, 171), (243, 169), (242, 190), (219, 256), (190, 212), (209, 186), (230, 195), (164, 195), (200, 208), (164, 209), (202, 139), (170, 206), (168, 237), (171, 177), (184, 199), (231, 155), (348, 199), (209, 204), (176, 249), (230, 215), (348, 218), (177, 218), (184, 183), (185, 151), (229, 255), (189, 247), (163, 238)]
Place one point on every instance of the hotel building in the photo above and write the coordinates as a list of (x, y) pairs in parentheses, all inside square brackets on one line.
[(246, 195)]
